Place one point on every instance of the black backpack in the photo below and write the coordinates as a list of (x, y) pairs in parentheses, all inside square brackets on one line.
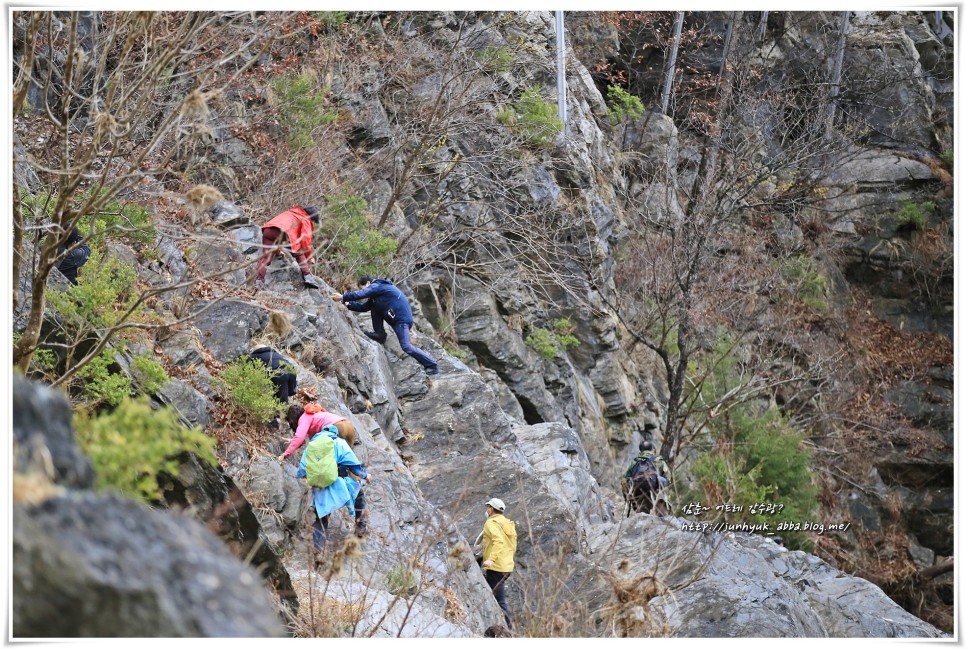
[(644, 475)]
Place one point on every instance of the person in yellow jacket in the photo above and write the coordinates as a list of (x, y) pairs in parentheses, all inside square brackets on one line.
[(499, 546)]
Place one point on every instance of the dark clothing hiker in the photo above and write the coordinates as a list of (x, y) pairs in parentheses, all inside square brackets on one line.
[(387, 304)]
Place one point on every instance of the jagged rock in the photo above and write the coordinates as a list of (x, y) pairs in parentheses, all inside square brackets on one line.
[(248, 238), (556, 453), (43, 436), (870, 167), (191, 404), (227, 214), (227, 327), (172, 259), (900, 111), (182, 350), (212, 497), (740, 585), (480, 327), (212, 258), (116, 568)]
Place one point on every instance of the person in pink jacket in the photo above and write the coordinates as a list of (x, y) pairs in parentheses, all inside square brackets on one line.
[(297, 224), (308, 421), (311, 419)]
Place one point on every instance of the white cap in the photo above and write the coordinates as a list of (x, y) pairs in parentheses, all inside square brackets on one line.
[(496, 504)]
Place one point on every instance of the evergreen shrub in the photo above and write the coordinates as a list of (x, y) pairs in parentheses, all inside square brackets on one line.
[(249, 389), (130, 446)]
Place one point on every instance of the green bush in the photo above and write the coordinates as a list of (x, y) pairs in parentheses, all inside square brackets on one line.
[(535, 119), (912, 216), (759, 458), (149, 373), (543, 342), (808, 284), (120, 220), (301, 108), (115, 219), (331, 18), (103, 294), (99, 385), (401, 581), (622, 106), (362, 250), (130, 446), (495, 59), (249, 389), (564, 331), (550, 343)]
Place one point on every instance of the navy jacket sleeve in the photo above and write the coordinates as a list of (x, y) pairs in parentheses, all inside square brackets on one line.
[(356, 305), (361, 294)]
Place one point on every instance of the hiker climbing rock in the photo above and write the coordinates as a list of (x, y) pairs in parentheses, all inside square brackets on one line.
[(499, 546), (295, 227), (310, 420), (386, 303), (320, 465), (75, 255), (283, 378), (644, 478)]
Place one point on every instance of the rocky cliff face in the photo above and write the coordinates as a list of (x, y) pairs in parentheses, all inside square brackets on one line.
[(548, 436)]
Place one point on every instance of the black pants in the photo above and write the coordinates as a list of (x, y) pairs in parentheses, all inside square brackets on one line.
[(285, 385), (360, 505), (497, 583)]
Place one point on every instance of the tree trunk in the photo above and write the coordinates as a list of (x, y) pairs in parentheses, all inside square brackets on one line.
[(23, 351), (672, 61), (17, 240)]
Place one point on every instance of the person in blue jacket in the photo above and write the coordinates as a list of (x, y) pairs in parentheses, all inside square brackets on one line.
[(386, 303), (341, 493)]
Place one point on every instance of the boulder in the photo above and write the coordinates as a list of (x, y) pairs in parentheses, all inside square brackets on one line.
[(113, 567), (226, 327), (43, 436), (210, 495), (211, 257), (740, 585), (191, 404), (227, 214)]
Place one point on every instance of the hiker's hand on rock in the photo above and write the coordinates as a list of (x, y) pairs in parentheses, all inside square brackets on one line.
[(488, 563), (281, 458), (337, 297)]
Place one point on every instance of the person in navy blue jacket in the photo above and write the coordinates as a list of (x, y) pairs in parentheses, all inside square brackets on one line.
[(386, 303), (77, 257)]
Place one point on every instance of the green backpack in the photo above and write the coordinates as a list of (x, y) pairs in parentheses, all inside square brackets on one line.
[(320, 467)]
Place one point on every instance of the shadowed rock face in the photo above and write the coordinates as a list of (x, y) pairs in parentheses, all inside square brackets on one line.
[(107, 566), (42, 433), (111, 567)]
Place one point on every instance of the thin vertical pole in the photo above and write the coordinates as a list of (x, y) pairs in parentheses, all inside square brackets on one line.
[(561, 72)]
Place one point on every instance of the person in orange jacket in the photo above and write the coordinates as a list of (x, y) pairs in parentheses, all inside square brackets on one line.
[(298, 226)]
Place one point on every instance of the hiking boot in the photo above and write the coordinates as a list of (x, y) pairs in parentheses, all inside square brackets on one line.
[(361, 528), (372, 335), (432, 371), (311, 281)]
